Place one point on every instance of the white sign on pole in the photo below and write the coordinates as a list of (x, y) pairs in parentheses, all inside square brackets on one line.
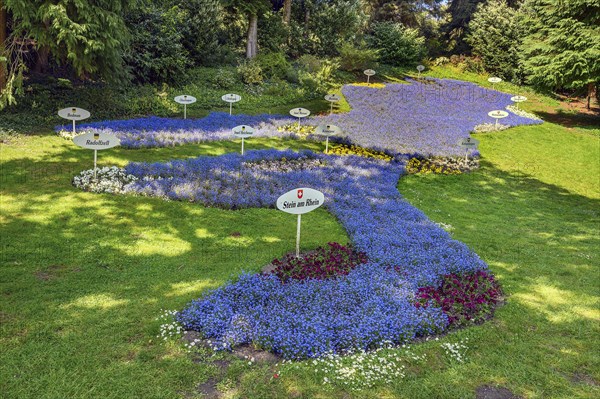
[(493, 80), (498, 114), (185, 100), (299, 113), (327, 130), (231, 98), (369, 73), (96, 141), (299, 201), (332, 98), (518, 99), (243, 132), (74, 114), (420, 68), (468, 143)]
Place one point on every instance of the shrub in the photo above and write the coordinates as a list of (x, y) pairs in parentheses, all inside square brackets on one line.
[(324, 263), (322, 80), (397, 44), (466, 298), (356, 59), (250, 72), (224, 79), (273, 65)]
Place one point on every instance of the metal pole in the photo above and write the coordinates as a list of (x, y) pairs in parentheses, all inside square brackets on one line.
[(184, 111), (368, 77), (327, 145), (298, 125), (230, 106), (95, 161), (467, 156), (496, 125), (331, 108), (74, 133), (242, 146), (298, 236)]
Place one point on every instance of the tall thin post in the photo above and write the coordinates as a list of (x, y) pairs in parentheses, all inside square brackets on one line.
[(298, 236), (95, 162), (74, 133)]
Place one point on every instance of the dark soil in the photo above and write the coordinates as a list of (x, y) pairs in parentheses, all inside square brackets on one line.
[(490, 392)]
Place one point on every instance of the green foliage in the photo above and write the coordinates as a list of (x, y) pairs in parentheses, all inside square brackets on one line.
[(397, 44), (89, 35), (201, 26), (495, 34), (319, 81), (156, 53), (250, 72), (272, 33), (460, 12), (357, 59), (273, 65), (562, 46), (322, 27)]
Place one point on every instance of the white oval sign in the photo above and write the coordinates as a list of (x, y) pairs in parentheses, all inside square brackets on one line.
[(74, 113), (332, 97), (420, 68), (494, 80), (328, 130), (185, 99), (96, 140), (300, 200), (231, 98), (369, 72), (469, 143), (498, 114), (518, 99), (243, 131), (299, 112)]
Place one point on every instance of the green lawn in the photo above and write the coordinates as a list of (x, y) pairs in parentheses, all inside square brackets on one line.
[(84, 276)]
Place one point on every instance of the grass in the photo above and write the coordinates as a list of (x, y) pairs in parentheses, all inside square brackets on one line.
[(84, 275)]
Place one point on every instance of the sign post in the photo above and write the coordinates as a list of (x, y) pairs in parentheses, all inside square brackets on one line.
[(74, 114), (297, 202), (369, 73), (231, 98), (243, 131), (96, 141), (420, 68), (468, 143), (332, 98), (518, 99), (498, 114), (185, 100), (299, 113), (493, 80), (327, 130)]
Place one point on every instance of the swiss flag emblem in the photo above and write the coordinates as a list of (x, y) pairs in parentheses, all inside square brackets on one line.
[(300, 194)]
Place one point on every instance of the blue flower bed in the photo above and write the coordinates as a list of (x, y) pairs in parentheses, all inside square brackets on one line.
[(425, 118), (300, 319), (417, 118)]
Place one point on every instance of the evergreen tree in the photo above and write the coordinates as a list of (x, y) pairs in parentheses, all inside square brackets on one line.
[(495, 34), (89, 35), (562, 47), (461, 12)]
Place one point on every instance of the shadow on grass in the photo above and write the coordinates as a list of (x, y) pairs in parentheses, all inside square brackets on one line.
[(84, 275)]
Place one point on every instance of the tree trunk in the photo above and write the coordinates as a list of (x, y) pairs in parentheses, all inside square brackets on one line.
[(251, 45), (590, 94), (287, 11), (41, 64), (3, 29)]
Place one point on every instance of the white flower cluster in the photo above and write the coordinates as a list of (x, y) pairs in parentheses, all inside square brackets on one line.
[(358, 370), (169, 329), (68, 134), (109, 179), (489, 127), (456, 351), (520, 112)]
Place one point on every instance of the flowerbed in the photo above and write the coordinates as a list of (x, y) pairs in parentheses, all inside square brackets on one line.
[(426, 117), (441, 165), (323, 263), (372, 304)]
